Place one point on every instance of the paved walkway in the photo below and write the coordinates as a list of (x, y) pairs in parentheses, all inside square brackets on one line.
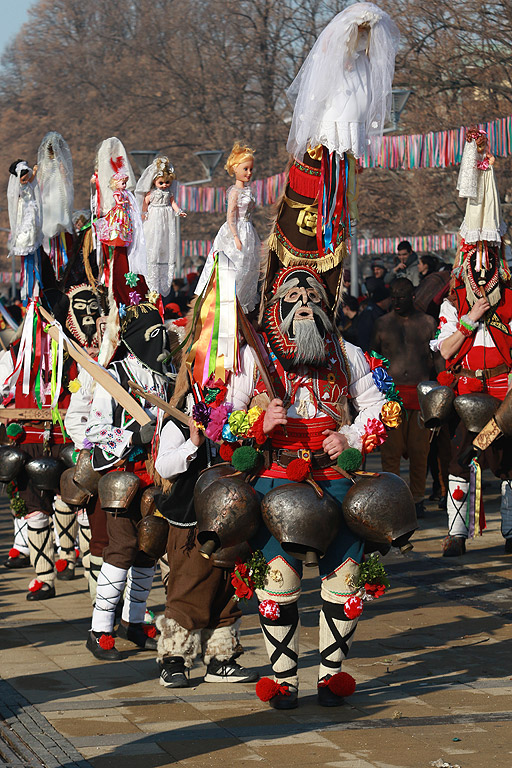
[(432, 660)]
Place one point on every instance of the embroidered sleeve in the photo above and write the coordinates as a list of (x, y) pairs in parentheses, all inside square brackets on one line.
[(447, 325), (365, 395), (101, 431), (175, 453)]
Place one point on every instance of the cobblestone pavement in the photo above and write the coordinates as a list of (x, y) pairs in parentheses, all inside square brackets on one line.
[(432, 660)]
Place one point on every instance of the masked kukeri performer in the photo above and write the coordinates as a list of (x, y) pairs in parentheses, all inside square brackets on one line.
[(120, 444), (475, 338), (36, 374)]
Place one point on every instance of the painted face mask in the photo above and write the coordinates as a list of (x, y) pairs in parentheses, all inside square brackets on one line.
[(296, 320), (482, 276), (145, 336), (84, 311)]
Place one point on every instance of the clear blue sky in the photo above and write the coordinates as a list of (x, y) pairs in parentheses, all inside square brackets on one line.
[(13, 14)]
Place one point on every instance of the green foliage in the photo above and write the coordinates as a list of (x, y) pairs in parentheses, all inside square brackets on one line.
[(373, 572)]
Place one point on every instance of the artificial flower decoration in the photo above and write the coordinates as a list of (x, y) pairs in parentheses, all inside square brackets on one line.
[(131, 279), (248, 576), (135, 298), (152, 297), (74, 385), (201, 414), (390, 414), (122, 310), (382, 379), (239, 423), (218, 417)]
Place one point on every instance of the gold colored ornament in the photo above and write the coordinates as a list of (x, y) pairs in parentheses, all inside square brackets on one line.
[(152, 297), (74, 386), (390, 414), (276, 575), (315, 152)]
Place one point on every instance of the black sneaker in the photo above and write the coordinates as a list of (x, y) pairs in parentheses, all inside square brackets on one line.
[(508, 546), (420, 509), (289, 699), (172, 673), (136, 635), (101, 646), (229, 672)]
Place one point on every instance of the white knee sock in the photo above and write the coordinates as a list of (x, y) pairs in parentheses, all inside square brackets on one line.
[(40, 541), (66, 528), (21, 535), (138, 586), (282, 643), (111, 581), (336, 633), (456, 505)]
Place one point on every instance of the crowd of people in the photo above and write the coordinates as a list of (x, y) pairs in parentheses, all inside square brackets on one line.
[(218, 426)]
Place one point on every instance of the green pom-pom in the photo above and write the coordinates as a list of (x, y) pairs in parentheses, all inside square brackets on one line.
[(14, 430), (245, 458), (350, 459)]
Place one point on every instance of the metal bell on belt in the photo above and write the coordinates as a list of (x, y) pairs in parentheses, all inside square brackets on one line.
[(476, 409), (304, 524), (12, 461), (44, 473), (423, 388), (66, 454), (147, 500), (380, 508), (70, 492), (116, 490), (85, 476), (437, 406), (152, 536)]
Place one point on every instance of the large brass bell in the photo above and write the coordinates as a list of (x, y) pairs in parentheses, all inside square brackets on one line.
[(44, 473), (503, 415), (227, 556), (423, 388), (227, 510), (380, 508), (85, 476), (116, 490), (304, 524), (66, 454), (147, 500), (476, 409), (12, 461), (437, 407), (152, 536), (70, 492)]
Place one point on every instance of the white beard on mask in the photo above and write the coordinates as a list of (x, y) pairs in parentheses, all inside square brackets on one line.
[(310, 344)]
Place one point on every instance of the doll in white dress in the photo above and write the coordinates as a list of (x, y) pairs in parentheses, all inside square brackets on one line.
[(155, 193), (483, 220), (237, 238), (24, 202)]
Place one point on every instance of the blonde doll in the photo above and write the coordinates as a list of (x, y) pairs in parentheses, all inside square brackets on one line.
[(237, 238), (155, 192)]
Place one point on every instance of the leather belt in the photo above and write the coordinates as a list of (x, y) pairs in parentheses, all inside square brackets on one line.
[(484, 373), (319, 459)]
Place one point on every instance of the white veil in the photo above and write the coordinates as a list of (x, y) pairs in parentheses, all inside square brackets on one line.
[(467, 182), (13, 193), (111, 152), (319, 81), (55, 178), (152, 172)]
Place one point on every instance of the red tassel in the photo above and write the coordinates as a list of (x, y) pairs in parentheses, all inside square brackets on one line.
[(14, 552), (149, 630), (266, 689), (458, 494), (304, 184), (445, 378), (227, 450), (297, 470), (106, 642), (341, 684), (35, 585), (61, 565)]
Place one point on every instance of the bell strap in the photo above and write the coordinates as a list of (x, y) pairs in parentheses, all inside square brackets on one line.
[(483, 373), (318, 459)]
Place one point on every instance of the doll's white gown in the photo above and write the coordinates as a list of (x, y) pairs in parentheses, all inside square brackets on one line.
[(161, 241), (241, 204), (28, 235)]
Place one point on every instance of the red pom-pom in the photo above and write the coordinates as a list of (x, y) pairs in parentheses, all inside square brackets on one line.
[(472, 385), (342, 684), (353, 607), (458, 494), (77, 552), (227, 450), (257, 430), (106, 642), (35, 585), (445, 378), (297, 470), (149, 630), (266, 689), (14, 552), (61, 565), (269, 609)]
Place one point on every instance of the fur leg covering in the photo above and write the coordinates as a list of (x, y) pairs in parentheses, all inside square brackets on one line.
[(40, 542), (175, 640), (282, 643), (111, 582), (138, 586), (221, 643), (335, 638)]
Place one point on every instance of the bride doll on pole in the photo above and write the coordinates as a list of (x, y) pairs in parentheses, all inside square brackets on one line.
[(237, 239), (155, 194), (24, 204)]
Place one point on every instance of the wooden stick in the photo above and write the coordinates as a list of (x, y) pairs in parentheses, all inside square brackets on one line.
[(98, 373), (250, 337), (28, 414), (156, 400)]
